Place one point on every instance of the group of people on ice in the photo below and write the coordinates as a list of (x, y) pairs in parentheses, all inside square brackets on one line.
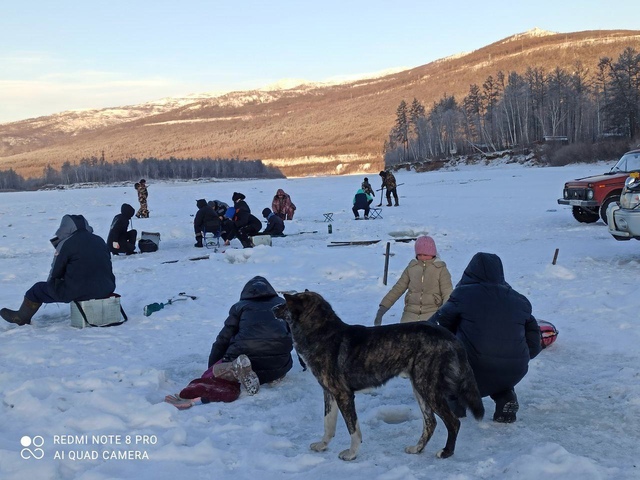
[(492, 320), (218, 218), (364, 196)]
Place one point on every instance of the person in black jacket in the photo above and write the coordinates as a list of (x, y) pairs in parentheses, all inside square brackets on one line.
[(495, 324), (206, 220), (252, 348), (81, 270), (245, 224), (275, 224), (252, 329), (120, 239)]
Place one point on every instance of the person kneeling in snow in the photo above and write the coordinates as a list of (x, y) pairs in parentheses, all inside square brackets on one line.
[(81, 270), (253, 348), (497, 329), (120, 239), (275, 224)]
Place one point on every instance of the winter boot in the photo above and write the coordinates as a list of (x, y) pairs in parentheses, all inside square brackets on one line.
[(24, 315), (506, 406), (198, 241), (238, 371), (246, 376), (224, 371)]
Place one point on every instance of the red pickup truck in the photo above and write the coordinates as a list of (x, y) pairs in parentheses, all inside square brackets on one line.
[(589, 197)]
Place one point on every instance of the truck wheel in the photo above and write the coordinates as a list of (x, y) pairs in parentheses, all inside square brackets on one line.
[(603, 208), (584, 216)]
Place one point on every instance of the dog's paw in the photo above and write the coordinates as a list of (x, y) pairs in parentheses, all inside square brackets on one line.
[(318, 446), (347, 455), (444, 453), (413, 449)]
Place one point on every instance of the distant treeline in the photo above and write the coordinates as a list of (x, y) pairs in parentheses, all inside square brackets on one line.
[(97, 170), (513, 110)]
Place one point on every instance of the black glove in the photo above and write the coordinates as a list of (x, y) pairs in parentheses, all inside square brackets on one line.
[(381, 311)]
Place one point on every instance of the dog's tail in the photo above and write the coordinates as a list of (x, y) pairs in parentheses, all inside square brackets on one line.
[(468, 393)]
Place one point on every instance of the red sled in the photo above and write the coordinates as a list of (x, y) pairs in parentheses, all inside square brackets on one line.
[(548, 333)]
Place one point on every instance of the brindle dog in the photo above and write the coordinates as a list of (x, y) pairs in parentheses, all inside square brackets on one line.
[(347, 358)]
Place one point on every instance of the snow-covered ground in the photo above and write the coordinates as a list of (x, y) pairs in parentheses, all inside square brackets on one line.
[(580, 402)]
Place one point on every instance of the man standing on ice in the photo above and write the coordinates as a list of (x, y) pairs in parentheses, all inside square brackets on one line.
[(81, 270)]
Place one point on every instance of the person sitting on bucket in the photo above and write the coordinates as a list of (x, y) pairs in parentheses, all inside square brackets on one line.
[(81, 270), (206, 220)]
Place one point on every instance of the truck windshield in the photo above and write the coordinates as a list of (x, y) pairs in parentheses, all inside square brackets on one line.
[(630, 162)]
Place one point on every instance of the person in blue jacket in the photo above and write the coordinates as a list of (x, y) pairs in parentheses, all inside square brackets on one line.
[(495, 324), (361, 201)]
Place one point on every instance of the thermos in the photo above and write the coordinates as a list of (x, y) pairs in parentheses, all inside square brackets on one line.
[(329, 228)]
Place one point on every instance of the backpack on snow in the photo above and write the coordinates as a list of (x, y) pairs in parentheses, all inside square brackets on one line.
[(149, 242), (146, 245)]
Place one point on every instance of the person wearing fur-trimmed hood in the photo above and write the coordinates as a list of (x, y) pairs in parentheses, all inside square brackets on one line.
[(427, 282), (81, 270)]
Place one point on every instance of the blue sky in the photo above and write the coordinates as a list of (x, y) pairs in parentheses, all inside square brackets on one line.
[(62, 55)]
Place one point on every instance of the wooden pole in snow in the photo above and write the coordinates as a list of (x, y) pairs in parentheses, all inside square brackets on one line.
[(386, 263), (555, 256)]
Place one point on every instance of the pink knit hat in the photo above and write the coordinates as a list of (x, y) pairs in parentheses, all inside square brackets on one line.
[(426, 246)]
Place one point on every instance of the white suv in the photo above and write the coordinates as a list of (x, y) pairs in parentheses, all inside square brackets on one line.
[(624, 217)]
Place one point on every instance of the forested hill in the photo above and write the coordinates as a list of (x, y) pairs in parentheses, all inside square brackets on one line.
[(303, 130)]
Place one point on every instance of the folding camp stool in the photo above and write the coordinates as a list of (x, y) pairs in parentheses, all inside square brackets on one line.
[(212, 239), (328, 217), (375, 213)]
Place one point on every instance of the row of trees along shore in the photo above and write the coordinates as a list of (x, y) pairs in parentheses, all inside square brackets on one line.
[(510, 111), (97, 170)]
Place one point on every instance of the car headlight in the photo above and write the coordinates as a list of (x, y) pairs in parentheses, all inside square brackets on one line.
[(565, 193), (589, 194)]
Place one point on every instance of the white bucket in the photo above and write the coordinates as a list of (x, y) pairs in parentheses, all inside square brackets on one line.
[(261, 240), (99, 313)]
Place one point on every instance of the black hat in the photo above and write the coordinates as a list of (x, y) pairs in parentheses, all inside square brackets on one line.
[(142, 180), (266, 212), (366, 179), (201, 203), (237, 196), (383, 173)]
